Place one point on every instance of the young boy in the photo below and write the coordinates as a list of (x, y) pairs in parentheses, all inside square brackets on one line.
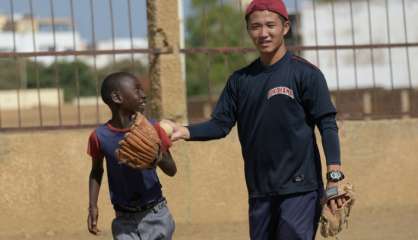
[(136, 196)]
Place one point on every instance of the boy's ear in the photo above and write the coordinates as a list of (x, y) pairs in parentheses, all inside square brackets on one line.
[(116, 97)]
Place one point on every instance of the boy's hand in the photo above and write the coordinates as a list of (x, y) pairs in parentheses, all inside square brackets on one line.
[(168, 126), (140, 146), (92, 220)]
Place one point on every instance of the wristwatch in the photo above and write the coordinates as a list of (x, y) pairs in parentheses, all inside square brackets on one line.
[(335, 176)]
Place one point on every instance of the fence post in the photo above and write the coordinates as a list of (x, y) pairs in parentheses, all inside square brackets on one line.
[(367, 104), (405, 104), (168, 88)]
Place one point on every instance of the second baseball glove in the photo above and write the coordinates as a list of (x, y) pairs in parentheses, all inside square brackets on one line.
[(332, 223), (140, 147)]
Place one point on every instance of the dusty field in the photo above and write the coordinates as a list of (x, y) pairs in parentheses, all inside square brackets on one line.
[(365, 224), (30, 207)]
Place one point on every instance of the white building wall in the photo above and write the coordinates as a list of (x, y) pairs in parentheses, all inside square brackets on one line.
[(346, 77), (120, 43), (44, 41)]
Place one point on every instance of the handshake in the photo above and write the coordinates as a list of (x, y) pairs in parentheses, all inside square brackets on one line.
[(144, 144), (174, 130)]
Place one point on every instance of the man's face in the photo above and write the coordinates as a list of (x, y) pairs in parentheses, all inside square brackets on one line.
[(132, 94), (266, 30)]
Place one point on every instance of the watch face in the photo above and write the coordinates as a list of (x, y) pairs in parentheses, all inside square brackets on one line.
[(335, 175)]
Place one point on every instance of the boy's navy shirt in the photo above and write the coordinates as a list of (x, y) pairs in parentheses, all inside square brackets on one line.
[(128, 187), (276, 108)]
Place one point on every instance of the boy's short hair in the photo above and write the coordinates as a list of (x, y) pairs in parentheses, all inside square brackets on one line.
[(111, 83)]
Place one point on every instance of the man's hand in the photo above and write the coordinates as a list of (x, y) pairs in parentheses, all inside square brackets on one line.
[(336, 211), (179, 131), (92, 220), (336, 202)]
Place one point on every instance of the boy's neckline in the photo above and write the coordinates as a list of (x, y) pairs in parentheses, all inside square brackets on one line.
[(115, 129)]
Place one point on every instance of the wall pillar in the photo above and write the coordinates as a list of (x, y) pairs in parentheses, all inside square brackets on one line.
[(367, 104), (405, 103), (168, 88)]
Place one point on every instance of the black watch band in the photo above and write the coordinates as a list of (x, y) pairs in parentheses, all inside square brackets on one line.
[(335, 176)]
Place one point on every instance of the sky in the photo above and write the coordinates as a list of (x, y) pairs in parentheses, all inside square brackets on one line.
[(82, 15), (102, 23)]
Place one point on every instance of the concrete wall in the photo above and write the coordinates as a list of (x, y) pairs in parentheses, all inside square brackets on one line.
[(28, 98), (43, 177)]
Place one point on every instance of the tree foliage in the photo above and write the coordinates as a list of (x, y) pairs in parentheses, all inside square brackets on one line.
[(75, 78), (214, 25)]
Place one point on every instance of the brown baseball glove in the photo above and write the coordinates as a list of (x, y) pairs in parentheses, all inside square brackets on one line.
[(332, 223), (140, 147)]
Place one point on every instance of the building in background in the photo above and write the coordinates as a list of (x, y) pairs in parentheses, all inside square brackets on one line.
[(119, 43), (362, 68), (25, 34)]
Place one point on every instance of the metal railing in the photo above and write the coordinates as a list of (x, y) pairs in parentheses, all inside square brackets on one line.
[(50, 78), (56, 73), (364, 48)]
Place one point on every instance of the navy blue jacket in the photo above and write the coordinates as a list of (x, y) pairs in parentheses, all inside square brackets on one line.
[(276, 109)]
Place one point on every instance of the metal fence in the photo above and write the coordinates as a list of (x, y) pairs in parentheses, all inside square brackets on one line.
[(366, 48), (53, 55)]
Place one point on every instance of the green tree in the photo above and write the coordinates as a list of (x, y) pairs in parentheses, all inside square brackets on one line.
[(213, 25), (76, 77), (13, 74), (136, 67), (66, 75), (25, 73)]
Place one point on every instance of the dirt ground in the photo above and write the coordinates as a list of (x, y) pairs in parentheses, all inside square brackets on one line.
[(394, 217), (365, 224)]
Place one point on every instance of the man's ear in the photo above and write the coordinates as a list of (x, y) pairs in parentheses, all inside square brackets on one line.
[(116, 97), (286, 27)]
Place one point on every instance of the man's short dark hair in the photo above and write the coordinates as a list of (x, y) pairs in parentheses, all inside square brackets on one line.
[(111, 83)]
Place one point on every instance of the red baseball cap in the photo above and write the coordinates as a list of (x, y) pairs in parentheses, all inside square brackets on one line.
[(276, 6)]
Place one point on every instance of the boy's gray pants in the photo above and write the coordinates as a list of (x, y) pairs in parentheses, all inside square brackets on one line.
[(153, 224)]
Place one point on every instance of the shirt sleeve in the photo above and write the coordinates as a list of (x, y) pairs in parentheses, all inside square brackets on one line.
[(327, 126), (315, 96), (205, 131), (93, 147), (223, 116)]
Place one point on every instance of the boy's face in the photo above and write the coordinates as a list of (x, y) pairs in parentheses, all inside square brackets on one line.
[(266, 30), (132, 96)]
